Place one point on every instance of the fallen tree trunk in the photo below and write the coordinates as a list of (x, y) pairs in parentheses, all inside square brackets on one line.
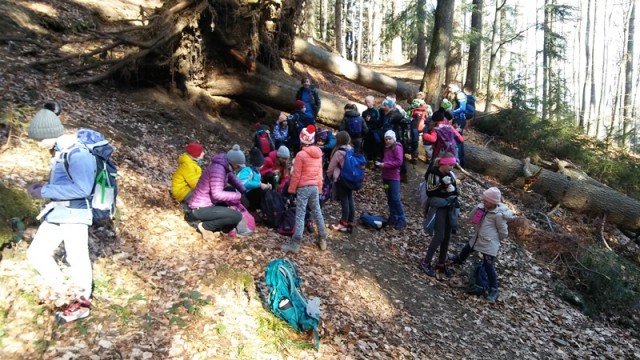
[(337, 65), (573, 194), (277, 91)]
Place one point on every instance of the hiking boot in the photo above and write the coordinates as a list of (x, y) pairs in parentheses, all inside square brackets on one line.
[(322, 243), (445, 270), (79, 309), (309, 226), (492, 295), (292, 246), (427, 269), (206, 234), (400, 225), (455, 259)]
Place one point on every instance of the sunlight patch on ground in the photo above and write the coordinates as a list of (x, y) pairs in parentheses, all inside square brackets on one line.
[(42, 8), (119, 10)]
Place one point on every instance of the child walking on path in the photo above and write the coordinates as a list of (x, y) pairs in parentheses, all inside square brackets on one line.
[(442, 216), (306, 183), (490, 219), (344, 194), (391, 164)]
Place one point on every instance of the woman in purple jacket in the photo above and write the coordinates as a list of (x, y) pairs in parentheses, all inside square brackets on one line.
[(210, 199), (390, 165)]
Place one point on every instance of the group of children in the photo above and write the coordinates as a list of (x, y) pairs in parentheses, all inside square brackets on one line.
[(383, 135)]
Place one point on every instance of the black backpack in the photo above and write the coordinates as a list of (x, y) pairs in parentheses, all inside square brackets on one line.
[(288, 224), (272, 205)]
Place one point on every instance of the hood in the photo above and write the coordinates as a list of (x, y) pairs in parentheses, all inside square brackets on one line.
[(185, 158), (352, 113), (313, 151), (220, 159)]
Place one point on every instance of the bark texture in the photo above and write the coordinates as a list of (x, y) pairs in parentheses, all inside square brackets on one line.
[(574, 194)]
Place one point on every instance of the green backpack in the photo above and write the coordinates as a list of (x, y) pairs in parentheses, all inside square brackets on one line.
[(287, 301)]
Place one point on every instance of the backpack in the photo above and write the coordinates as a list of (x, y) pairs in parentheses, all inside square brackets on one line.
[(353, 170), (286, 299), (293, 123), (354, 126), (327, 189), (262, 140), (373, 221), (272, 205), (287, 226), (447, 139), (419, 117), (105, 188), (478, 280), (471, 107)]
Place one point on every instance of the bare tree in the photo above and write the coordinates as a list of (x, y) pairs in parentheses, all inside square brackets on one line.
[(628, 83), (338, 27), (360, 30), (439, 51), (475, 46), (421, 19), (495, 46), (376, 30), (587, 68)]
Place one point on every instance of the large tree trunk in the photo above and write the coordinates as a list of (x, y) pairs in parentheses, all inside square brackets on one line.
[(493, 54), (275, 90), (338, 27), (438, 53), (580, 196), (323, 60), (628, 82), (421, 42), (475, 46)]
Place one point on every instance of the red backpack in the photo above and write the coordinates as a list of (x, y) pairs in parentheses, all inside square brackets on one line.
[(263, 141), (419, 117)]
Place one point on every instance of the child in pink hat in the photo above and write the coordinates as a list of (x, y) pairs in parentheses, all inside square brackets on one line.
[(490, 220)]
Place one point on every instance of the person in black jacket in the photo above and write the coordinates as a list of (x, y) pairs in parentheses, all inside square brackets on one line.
[(374, 141), (309, 94)]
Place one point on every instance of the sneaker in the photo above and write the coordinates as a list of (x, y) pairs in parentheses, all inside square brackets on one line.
[(322, 243), (341, 226), (427, 269), (492, 295), (400, 225), (445, 270), (79, 309), (309, 226), (455, 259), (206, 234)]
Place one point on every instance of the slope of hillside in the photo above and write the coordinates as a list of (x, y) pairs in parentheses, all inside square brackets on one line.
[(161, 292)]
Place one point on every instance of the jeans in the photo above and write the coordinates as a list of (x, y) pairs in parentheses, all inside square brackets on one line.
[(345, 196), (217, 218), (76, 246), (396, 209), (308, 195), (415, 141), (441, 236)]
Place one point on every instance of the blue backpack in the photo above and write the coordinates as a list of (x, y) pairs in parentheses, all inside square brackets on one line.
[(105, 190), (354, 126), (287, 301), (478, 281), (470, 110), (373, 221), (353, 170)]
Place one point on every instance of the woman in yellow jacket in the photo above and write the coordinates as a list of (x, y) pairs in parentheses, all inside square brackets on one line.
[(186, 177)]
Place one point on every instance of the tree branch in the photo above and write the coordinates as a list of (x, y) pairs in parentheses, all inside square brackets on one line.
[(20, 39)]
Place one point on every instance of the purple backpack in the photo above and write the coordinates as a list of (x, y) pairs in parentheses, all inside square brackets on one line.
[(447, 137)]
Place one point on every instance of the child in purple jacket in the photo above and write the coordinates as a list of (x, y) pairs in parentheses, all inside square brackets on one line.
[(390, 165)]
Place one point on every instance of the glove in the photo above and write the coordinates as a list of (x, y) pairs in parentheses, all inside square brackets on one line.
[(446, 180), (451, 188), (35, 191)]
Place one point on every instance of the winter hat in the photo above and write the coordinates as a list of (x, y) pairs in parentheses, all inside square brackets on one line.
[(256, 158), (492, 195), (417, 103), (448, 160), (283, 152), (308, 135), (388, 103), (322, 135), (194, 149), (390, 134), (45, 125), (235, 156), (445, 104), (299, 105), (53, 106)]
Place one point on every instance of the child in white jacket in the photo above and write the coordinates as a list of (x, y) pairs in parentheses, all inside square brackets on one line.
[(490, 218)]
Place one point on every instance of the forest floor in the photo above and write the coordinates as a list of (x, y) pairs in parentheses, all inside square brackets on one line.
[(160, 291)]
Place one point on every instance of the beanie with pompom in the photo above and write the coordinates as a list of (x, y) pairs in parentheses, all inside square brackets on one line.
[(235, 156)]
